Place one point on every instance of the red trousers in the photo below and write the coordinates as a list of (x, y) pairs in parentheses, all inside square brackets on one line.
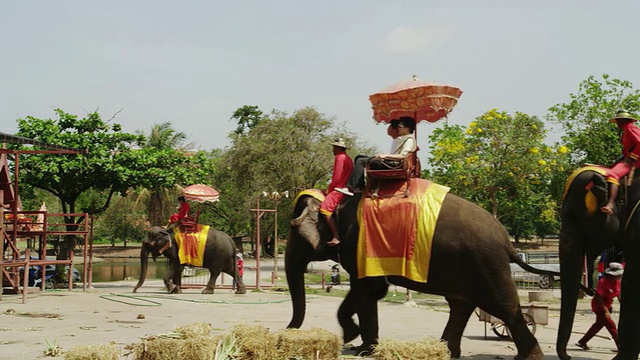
[(601, 321)]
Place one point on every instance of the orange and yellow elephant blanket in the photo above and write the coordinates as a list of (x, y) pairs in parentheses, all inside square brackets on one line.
[(396, 232), (192, 245)]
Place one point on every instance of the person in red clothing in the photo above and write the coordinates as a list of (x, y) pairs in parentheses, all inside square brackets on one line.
[(608, 289), (183, 210), (240, 262), (342, 167), (630, 140)]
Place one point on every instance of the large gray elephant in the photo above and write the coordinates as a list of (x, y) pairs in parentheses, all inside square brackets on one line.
[(471, 253), (219, 256), (586, 231)]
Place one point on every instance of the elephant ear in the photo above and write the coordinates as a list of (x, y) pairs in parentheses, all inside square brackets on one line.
[(307, 222)]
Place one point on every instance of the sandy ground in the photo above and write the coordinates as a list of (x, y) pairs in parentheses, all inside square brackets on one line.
[(109, 313)]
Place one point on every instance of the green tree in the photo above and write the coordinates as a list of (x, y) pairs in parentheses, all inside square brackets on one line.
[(500, 162), (281, 152), (247, 117), (584, 119), (114, 162), (164, 138)]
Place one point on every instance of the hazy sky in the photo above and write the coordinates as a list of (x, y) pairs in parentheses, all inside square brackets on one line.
[(194, 62)]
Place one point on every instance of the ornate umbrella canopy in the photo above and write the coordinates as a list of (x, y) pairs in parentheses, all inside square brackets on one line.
[(200, 193), (416, 98)]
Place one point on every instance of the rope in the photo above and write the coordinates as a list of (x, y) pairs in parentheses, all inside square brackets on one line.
[(144, 298)]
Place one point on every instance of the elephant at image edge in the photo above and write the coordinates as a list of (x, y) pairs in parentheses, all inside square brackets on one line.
[(471, 253), (588, 231), (219, 256)]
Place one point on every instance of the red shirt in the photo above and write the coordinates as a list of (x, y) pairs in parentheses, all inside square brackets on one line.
[(608, 289), (631, 141), (184, 210), (342, 167), (240, 267)]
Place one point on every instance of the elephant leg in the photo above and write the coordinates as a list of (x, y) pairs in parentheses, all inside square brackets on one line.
[(459, 314), (629, 325), (211, 285), (373, 289), (350, 330), (511, 314)]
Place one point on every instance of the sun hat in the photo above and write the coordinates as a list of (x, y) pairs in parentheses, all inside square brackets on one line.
[(622, 115), (340, 143), (239, 255), (614, 269)]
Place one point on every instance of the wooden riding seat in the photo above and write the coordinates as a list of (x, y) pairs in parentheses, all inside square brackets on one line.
[(384, 169)]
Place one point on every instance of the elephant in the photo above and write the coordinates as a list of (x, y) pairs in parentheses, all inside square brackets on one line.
[(469, 266), (219, 256), (586, 231)]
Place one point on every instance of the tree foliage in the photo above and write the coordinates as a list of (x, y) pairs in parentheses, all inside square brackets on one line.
[(584, 118), (500, 161)]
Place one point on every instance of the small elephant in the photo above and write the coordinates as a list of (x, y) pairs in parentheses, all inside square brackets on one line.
[(219, 256)]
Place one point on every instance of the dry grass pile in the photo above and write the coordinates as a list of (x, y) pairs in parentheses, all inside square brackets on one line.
[(190, 342), (308, 344), (255, 342), (428, 349), (93, 352)]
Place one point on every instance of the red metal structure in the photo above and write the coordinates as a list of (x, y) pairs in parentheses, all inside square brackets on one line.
[(19, 225)]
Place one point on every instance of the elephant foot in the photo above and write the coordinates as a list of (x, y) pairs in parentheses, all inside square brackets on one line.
[(534, 354), (175, 289), (241, 290), (207, 290), (363, 350), (455, 351), (350, 333)]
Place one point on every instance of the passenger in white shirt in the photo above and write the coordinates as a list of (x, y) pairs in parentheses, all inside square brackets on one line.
[(403, 143)]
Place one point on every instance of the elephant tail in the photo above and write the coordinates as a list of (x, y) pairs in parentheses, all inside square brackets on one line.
[(515, 258)]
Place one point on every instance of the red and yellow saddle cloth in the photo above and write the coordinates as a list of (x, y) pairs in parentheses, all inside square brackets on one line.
[(590, 200), (191, 245), (396, 232)]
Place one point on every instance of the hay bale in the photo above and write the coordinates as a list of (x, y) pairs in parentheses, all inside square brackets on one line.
[(93, 352), (314, 343), (190, 342), (427, 349), (255, 342)]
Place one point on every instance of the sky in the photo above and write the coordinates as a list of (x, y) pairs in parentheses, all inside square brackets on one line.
[(193, 63)]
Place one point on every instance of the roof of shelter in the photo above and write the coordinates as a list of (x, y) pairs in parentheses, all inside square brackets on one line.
[(20, 140)]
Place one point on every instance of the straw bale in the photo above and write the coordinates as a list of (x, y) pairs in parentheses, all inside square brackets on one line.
[(314, 343), (190, 342), (427, 349), (255, 342), (93, 352)]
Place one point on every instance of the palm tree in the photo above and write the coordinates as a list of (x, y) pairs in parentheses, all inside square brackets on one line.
[(162, 137)]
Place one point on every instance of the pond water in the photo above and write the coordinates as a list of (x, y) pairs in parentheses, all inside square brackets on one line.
[(117, 269)]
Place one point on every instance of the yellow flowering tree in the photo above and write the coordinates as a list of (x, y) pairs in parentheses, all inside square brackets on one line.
[(501, 162)]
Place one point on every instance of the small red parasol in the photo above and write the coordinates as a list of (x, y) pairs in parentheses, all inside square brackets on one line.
[(200, 193)]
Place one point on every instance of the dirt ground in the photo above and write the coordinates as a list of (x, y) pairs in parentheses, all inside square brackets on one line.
[(109, 312)]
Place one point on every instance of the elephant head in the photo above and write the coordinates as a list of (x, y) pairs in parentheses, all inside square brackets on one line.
[(585, 231), (157, 242)]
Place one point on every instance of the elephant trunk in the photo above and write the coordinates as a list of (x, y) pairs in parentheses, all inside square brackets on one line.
[(571, 267), (144, 262), (294, 268)]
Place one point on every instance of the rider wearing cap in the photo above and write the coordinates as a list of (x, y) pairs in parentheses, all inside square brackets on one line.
[(342, 167), (630, 140)]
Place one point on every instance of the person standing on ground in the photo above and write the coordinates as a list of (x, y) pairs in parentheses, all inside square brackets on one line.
[(240, 263), (342, 168), (608, 289)]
